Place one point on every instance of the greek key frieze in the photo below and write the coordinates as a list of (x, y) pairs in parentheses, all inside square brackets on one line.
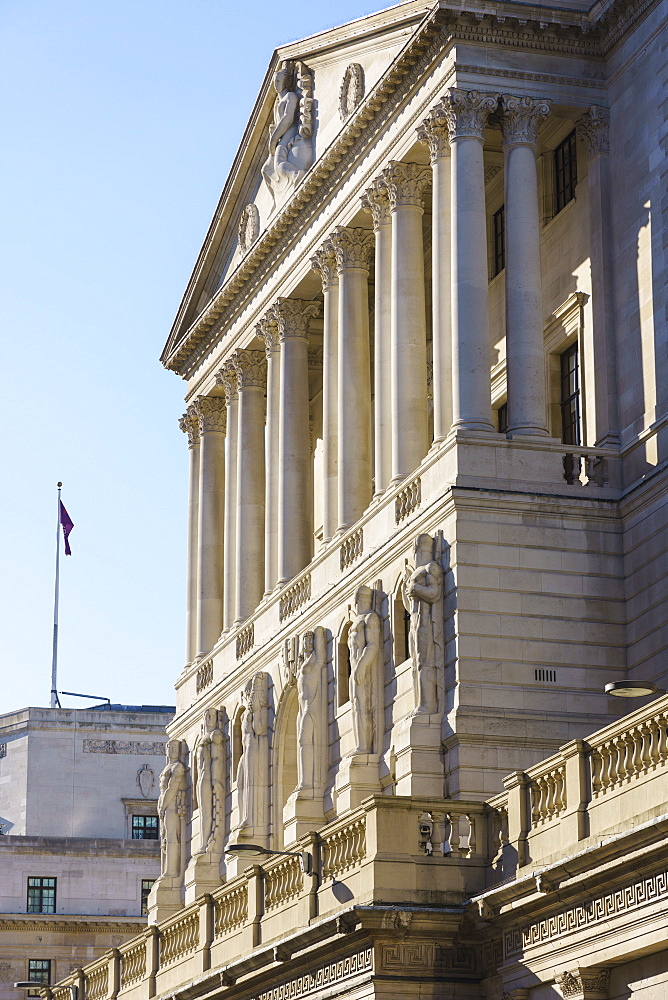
[(326, 975), (140, 747)]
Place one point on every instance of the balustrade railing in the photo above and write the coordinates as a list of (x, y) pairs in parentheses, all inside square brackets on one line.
[(407, 500), (351, 548), (548, 794), (230, 908), (97, 980), (626, 756), (343, 849), (204, 676), (283, 882), (179, 937), (245, 640), (586, 466), (294, 597), (133, 962)]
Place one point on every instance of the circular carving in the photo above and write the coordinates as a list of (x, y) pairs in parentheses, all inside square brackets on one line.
[(249, 228), (351, 91)]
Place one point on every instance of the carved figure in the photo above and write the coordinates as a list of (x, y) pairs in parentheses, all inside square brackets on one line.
[(310, 668), (291, 132), (363, 649), (171, 808), (253, 772), (422, 593), (209, 783)]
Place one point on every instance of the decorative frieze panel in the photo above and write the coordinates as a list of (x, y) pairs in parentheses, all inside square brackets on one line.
[(322, 978), (245, 640), (351, 548), (408, 500), (294, 597), (426, 958), (140, 747)]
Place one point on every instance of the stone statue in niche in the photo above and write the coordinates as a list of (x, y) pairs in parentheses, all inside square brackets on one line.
[(253, 769), (363, 649), (311, 719), (209, 783), (351, 91), (291, 132), (171, 809), (422, 593)]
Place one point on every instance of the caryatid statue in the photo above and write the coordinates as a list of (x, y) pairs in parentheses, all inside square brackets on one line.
[(422, 594), (364, 644), (171, 809), (209, 783), (253, 769), (291, 132), (311, 716)]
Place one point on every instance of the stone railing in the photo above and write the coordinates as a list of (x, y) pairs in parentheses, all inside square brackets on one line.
[(294, 596), (283, 881), (133, 962), (245, 640), (204, 676), (588, 789), (587, 466), (179, 937), (230, 907), (351, 549), (343, 848), (408, 500)]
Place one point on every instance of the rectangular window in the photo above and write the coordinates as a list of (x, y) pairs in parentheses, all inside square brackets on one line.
[(565, 172), (41, 895), (502, 418), (39, 971), (498, 237), (570, 396), (146, 886), (144, 827)]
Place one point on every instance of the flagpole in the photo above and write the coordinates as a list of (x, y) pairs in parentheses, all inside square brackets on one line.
[(55, 703)]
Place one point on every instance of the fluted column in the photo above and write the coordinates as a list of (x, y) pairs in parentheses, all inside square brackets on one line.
[(406, 183), (267, 330), (228, 379), (465, 113), (295, 515), (353, 249), (189, 424), (593, 129), (376, 200), (212, 419), (525, 349), (251, 370), (434, 133), (324, 261)]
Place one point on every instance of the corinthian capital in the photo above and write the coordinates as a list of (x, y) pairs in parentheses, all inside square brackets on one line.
[(433, 132), (594, 129), (251, 369), (324, 260), (406, 183), (584, 984), (522, 117), (294, 315), (267, 330), (227, 377), (211, 413), (376, 200), (352, 247), (465, 112), (189, 424)]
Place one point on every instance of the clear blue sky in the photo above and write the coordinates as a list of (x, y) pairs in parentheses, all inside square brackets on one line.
[(119, 121)]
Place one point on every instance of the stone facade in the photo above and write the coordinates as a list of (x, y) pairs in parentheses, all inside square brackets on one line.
[(70, 783), (426, 413)]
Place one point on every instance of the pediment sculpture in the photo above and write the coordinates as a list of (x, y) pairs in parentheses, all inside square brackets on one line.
[(291, 132), (351, 91)]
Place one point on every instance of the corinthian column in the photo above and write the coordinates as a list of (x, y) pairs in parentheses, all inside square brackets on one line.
[(465, 113), (212, 419), (295, 515), (376, 200), (325, 262), (525, 350), (593, 129), (227, 377), (189, 424), (353, 249), (267, 330), (251, 370), (434, 133)]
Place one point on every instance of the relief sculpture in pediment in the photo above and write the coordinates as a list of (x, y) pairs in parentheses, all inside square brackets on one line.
[(291, 132)]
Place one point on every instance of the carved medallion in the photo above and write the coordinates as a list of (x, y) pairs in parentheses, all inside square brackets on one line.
[(145, 780), (351, 91), (249, 228)]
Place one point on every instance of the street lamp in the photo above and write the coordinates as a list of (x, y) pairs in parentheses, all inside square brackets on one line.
[(257, 851), (633, 689)]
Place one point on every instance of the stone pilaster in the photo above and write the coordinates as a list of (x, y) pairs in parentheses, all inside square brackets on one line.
[(189, 424), (267, 331), (525, 352), (212, 420), (228, 379), (324, 261)]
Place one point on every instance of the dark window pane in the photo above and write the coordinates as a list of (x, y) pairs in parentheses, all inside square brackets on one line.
[(146, 886), (144, 827), (41, 895), (565, 172), (499, 235), (570, 396), (502, 418)]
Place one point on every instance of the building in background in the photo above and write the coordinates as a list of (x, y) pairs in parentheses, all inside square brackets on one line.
[(80, 848), (424, 347)]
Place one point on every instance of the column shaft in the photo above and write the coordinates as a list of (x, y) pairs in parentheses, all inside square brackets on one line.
[(227, 378), (251, 368), (268, 331), (189, 424), (212, 420), (325, 262), (525, 350)]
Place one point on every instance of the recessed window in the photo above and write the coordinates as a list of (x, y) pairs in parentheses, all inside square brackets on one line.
[(343, 670), (39, 971), (570, 396), (498, 241), (502, 418), (565, 172), (146, 886), (41, 895), (145, 828)]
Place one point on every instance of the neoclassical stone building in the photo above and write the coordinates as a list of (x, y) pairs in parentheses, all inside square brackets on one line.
[(425, 353)]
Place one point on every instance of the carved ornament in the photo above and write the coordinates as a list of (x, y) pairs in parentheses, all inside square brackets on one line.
[(249, 228), (227, 377), (376, 200), (521, 119), (466, 112), (594, 128), (189, 424), (584, 984), (352, 247), (211, 413), (406, 183), (139, 747), (433, 132), (267, 330), (294, 315), (324, 260), (351, 91), (250, 368)]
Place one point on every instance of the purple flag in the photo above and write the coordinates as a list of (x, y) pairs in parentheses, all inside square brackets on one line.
[(67, 524)]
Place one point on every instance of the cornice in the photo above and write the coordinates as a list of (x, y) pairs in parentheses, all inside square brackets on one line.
[(537, 29), (71, 922)]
